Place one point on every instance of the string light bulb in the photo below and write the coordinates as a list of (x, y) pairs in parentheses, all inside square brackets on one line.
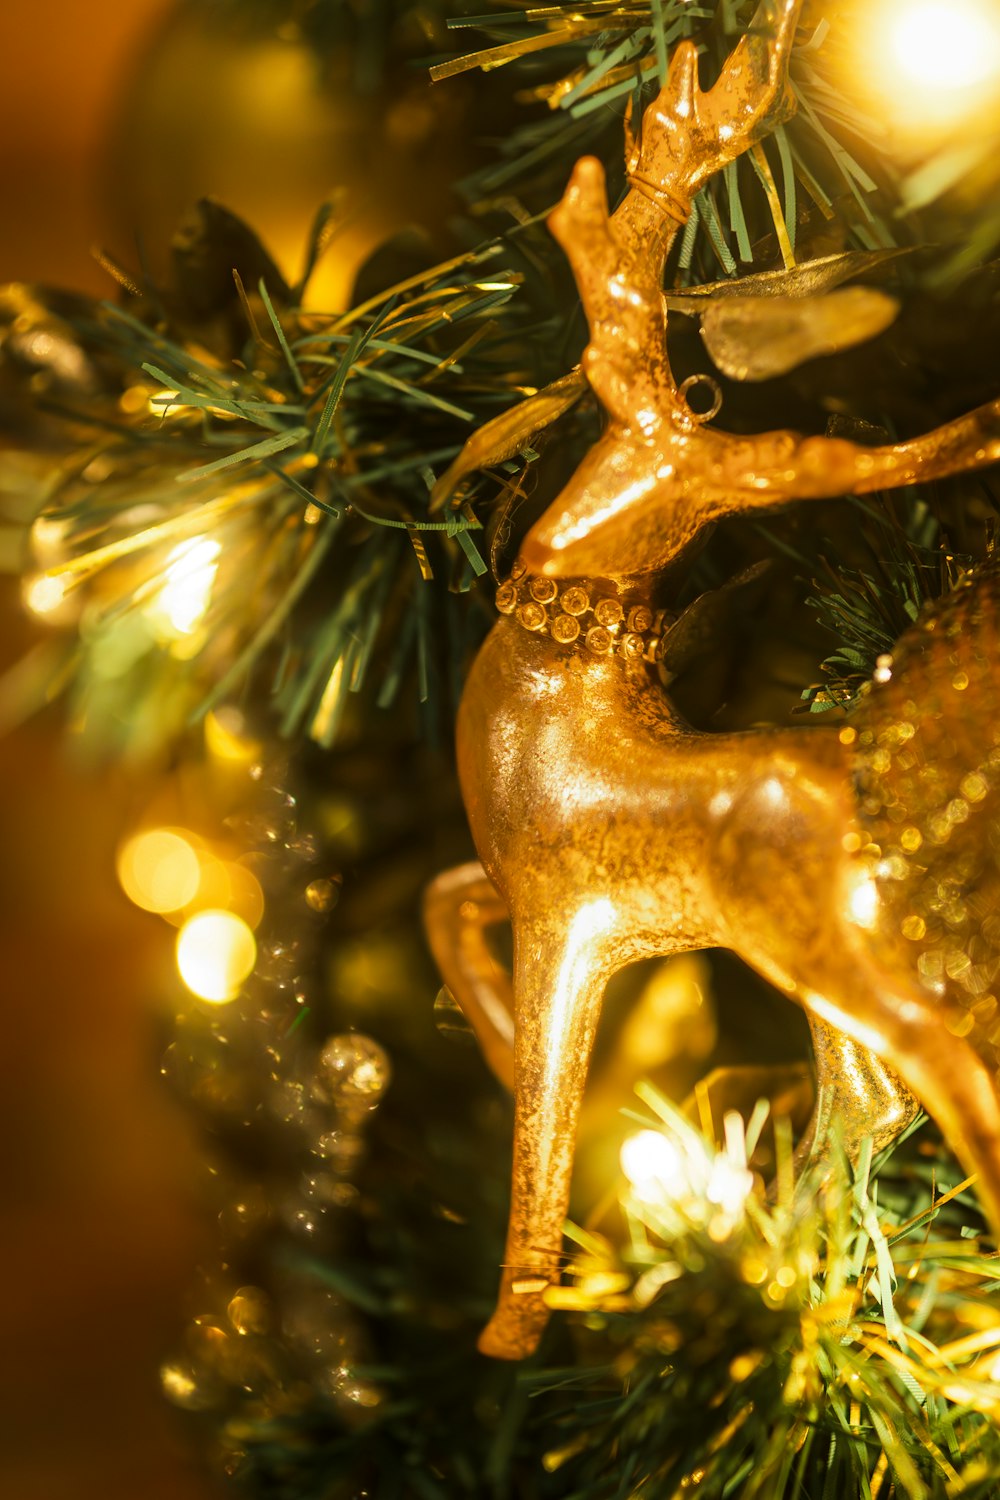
[(679, 1181), (953, 45), (44, 594)]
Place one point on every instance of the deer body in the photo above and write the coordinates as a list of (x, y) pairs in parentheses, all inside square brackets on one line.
[(614, 832), (585, 762), (610, 831)]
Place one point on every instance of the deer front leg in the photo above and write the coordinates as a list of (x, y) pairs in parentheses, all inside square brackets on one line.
[(458, 907), (561, 969), (943, 1070)]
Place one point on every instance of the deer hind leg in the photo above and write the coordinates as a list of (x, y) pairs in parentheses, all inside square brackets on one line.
[(560, 972), (943, 1070), (857, 1097), (960, 1093), (458, 907)]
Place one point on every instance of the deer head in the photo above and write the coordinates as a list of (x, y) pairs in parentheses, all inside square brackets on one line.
[(659, 474)]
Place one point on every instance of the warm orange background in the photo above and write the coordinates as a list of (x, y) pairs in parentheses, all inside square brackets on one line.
[(61, 62), (98, 1225)]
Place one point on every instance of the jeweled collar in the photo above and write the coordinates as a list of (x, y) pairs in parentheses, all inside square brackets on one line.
[(580, 614)]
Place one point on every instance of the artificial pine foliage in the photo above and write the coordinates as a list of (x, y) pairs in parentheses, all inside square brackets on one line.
[(233, 500)]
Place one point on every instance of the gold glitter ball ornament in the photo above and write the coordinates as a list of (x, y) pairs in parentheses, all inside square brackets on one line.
[(322, 895), (233, 101), (354, 1072), (928, 769)]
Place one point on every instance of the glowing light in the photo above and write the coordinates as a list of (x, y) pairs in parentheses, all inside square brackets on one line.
[(946, 44), (159, 870), (729, 1185), (654, 1166), (931, 64), (44, 593), (862, 904), (216, 952), (227, 737), (184, 596), (180, 1386)]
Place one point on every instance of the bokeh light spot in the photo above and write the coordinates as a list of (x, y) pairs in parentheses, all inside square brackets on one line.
[(653, 1165), (951, 45), (188, 575), (159, 870), (44, 593), (216, 952)]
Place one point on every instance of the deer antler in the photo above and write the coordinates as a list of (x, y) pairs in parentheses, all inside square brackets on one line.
[(686, 136)]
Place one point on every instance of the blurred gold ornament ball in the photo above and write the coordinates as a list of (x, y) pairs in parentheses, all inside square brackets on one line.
[(236, 102)]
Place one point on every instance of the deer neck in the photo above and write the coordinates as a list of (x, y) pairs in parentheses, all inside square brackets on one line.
[(597, 618)]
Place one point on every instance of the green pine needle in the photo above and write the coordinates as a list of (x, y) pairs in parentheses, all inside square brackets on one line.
[(293, 458), (585, 60), (869, 609), (784, 1350)]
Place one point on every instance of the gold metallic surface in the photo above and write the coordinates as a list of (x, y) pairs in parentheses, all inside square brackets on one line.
[(565, 619), (756, 338), (854, 868), (658, 474), (610, 831)]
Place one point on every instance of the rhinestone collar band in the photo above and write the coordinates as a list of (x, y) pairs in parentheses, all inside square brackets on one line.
[(579, 616)]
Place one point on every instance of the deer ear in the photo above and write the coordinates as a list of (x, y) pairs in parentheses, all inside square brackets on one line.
[(509, 433)]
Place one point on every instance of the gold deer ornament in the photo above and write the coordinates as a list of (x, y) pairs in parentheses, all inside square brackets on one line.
[(852, 867)]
